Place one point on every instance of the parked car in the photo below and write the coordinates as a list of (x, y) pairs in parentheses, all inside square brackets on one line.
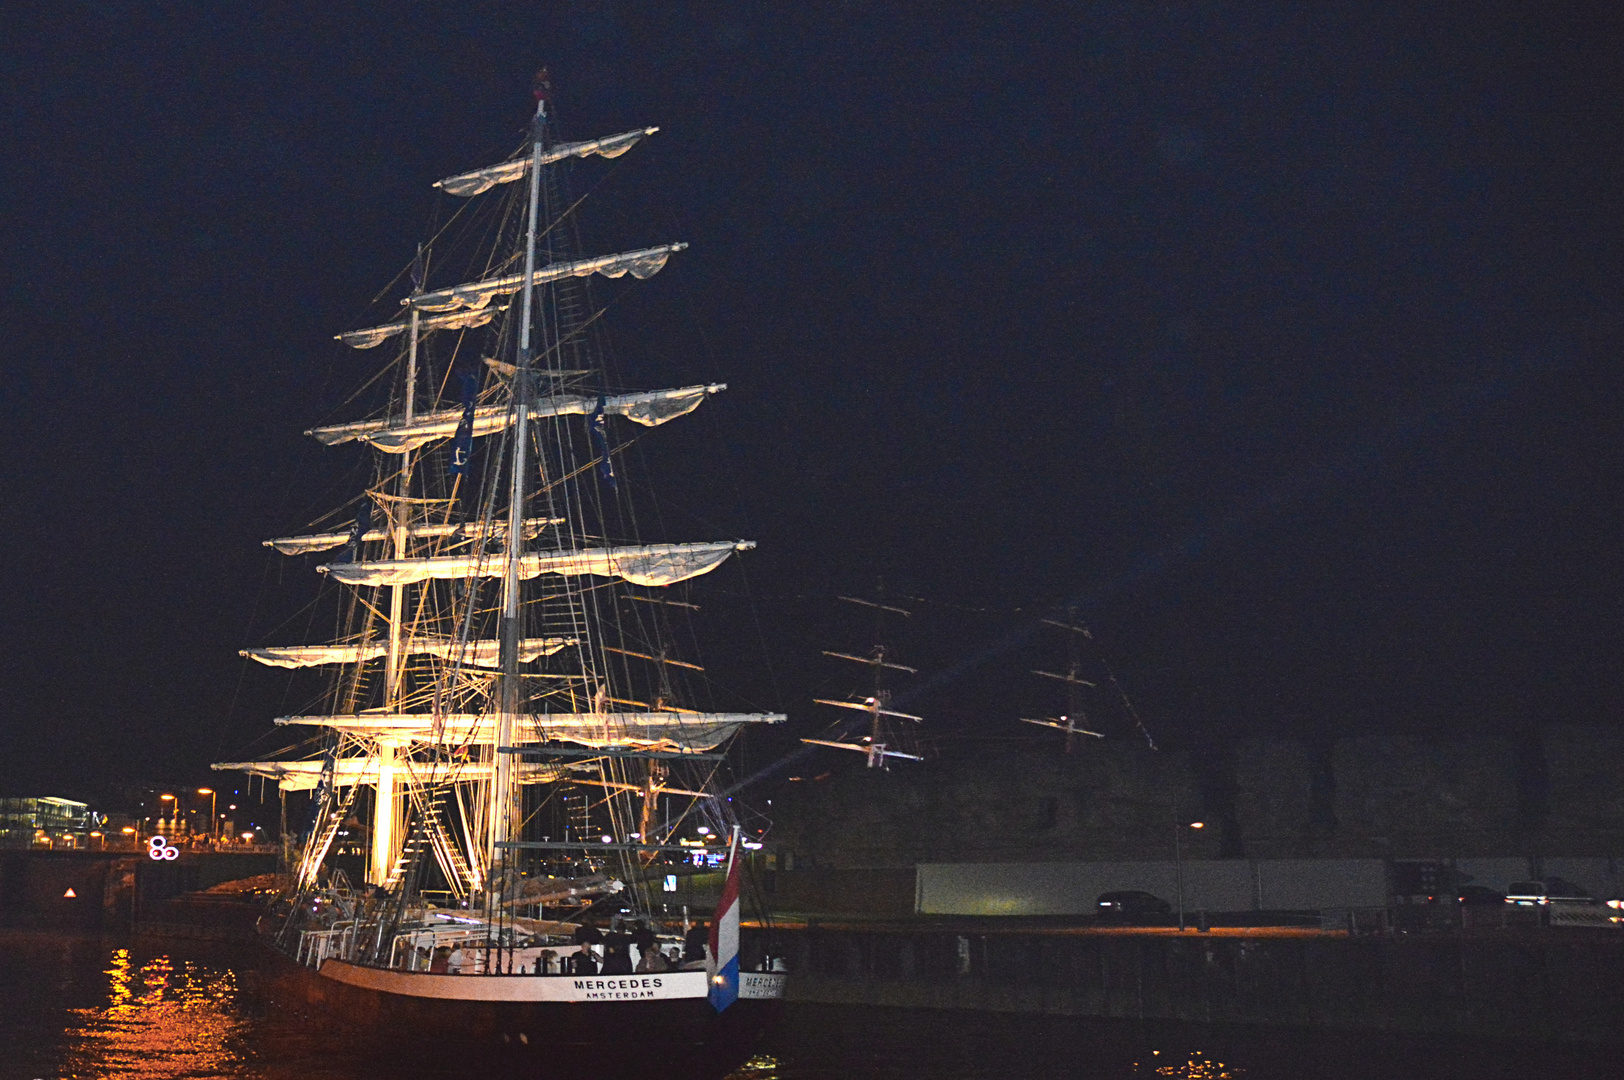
[(1474, 895), (1129, 904)]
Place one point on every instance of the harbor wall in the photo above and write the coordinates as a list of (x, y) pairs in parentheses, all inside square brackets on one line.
[(111, 890), (1544, 984), (35, 888)]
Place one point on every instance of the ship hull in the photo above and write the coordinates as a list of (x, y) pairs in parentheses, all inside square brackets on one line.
[(478, 1023)]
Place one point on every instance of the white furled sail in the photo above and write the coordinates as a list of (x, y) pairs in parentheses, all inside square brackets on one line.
[(349, 771), (640, 264), (641, 564), (473, 183), (684, 731), (650, 408), (473, 653), (398, 438), (373, 336), (467, 531)]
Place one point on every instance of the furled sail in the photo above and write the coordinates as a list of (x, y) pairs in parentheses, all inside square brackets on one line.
[(467, 530), (306, 775), (374, 336), (649, 408), (643, 564), (640, 264), (649, 730), (473, 653), (481, 180), (398, 438)]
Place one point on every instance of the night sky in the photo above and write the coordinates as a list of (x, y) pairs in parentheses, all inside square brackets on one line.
[(1281, 344)]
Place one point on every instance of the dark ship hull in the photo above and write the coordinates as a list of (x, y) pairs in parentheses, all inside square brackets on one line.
[(535, 1026)]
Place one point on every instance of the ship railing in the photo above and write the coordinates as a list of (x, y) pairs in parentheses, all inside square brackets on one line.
[(316, 946), (406, 942)]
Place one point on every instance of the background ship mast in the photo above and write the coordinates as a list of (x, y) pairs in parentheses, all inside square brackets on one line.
[(1074, 717), (877, 745)]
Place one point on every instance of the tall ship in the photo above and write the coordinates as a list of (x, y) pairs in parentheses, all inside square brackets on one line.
[(511, 732)]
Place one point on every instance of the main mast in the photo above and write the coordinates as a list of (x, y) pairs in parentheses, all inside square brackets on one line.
[(510, 629), (385, 814)]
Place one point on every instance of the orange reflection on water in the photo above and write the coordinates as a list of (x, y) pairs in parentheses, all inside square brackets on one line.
[(1195, 1067), (760, 1067), (162, 1019)]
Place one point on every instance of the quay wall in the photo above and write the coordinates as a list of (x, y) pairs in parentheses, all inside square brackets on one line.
[(1537, 984), (112, 890)]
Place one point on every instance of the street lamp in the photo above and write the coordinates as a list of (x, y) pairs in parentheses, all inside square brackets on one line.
[(212, 796), (1178, 859)]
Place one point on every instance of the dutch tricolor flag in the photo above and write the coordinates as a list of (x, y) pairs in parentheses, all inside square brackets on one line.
[(724, 936)]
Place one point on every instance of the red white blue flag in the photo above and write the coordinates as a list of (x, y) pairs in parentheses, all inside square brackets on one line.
[(724, 936)]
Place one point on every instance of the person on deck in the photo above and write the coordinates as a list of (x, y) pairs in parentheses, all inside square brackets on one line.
[(617, 957), (696, 944), (643, 943)]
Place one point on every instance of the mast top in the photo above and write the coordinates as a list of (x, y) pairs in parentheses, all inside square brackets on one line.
[(541, 88)]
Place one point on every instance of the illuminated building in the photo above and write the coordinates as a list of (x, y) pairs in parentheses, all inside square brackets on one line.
[(45, 821)]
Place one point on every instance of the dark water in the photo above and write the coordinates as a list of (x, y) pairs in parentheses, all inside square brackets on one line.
[(165, 1010)]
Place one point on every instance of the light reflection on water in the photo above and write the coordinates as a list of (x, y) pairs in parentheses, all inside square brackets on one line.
[(163, 1018), (1195, 1066), (88, 1009), (95, 1009)]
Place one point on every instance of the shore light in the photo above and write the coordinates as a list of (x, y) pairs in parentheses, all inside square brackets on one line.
[(213, 817)]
